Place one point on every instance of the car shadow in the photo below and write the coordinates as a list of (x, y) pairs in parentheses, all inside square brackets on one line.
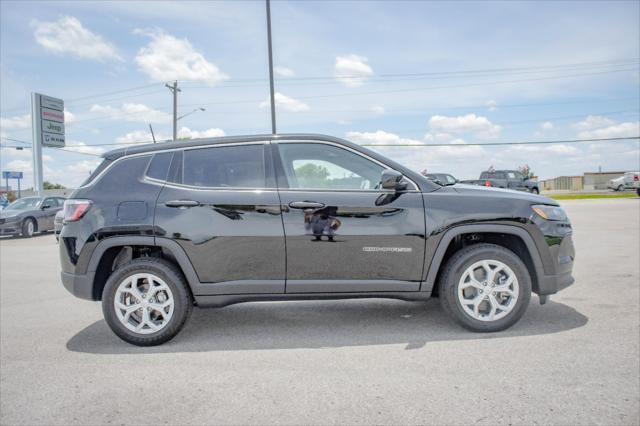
[(34, 236), (324, 324)]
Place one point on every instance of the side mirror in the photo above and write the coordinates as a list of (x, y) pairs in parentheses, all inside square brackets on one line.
[(391, 179)]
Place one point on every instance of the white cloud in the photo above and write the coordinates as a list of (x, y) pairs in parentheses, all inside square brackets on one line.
[(68, 36), (377, 110), (18, 166), (547, 125), (621, 130), (593, 122), (286, 103), (169, 58), (69, 117), (433, 158), (185, 132), (83, 167), (352, 70), (491, 105), (139, 113), (481, 127), (17, 122), (284, 71), (84, 148), (138, 136)]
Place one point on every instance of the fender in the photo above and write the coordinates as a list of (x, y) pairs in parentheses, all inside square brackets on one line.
[(449, 235), (170, 245)]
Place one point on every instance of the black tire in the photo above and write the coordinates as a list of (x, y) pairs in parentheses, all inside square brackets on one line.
[(638, 191), (535, 191), (620, 188), (172, 277), (27, 231), (452, 274)]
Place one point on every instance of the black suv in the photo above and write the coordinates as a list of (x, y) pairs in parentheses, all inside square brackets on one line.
[(160, 228)]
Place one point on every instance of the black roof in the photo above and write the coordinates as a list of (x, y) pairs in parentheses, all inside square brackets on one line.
[(425, 184)]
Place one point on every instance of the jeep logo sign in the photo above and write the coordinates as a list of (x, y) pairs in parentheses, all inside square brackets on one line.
[(48, 122)]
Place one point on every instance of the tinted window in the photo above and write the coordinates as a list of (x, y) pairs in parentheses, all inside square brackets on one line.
[(96, 172), (159, 166), (322, 166), (239, 166)]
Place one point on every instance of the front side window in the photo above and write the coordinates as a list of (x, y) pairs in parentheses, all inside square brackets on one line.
[(322, 166), (240, 166)]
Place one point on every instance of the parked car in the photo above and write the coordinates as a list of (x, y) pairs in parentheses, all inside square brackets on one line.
[(624, 182), (441, 178), (29, 215), (213, 222), (58, 221), (509, 179)]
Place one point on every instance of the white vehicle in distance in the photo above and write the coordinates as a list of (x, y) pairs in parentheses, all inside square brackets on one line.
[(624, 182)]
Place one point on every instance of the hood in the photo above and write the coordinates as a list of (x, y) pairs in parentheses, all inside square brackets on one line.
[(463, 188), (6, 214)]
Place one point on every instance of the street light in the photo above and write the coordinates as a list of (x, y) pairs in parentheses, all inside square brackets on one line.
[(189, 113)]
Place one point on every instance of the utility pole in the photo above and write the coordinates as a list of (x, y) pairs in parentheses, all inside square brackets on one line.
[(273, 100), (174, 89)]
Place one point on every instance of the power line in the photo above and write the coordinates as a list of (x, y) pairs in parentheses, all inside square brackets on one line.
[(516, 70)]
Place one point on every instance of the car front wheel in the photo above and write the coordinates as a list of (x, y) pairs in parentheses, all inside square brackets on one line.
[(28, 228), (146, 302), (485, 288)]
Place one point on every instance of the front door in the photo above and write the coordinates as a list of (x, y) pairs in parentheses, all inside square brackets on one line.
[(343, 233), (221, 205)]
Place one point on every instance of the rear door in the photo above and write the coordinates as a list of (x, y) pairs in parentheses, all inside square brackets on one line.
[(221, 205), (343, 233)]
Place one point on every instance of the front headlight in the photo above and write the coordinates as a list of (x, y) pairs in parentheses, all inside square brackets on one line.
[(550, 212)]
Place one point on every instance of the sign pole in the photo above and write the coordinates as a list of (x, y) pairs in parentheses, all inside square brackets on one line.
[(19, 195), (36, 148)]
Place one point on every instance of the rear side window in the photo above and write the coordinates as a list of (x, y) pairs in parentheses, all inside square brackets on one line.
[(96, 172), (240, 166), (159, 166)]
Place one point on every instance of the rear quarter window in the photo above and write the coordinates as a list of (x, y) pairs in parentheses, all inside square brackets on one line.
[(159, 166), (240, 166)]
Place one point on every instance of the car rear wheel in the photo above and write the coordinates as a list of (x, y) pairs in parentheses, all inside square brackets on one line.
[(620, 188), (485, 288), (146, 302), (28, 228)]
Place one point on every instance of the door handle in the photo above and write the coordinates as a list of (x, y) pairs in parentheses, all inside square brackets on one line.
[(182, 203), (305, 205)]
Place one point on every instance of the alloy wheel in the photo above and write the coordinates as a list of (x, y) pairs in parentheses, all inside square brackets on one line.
[(144, 303), (488, 290)]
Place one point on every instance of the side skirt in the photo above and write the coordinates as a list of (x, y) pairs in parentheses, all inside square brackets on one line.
[(218, 301)]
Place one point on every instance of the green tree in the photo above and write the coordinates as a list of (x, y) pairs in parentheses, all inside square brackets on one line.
[(49, 185), (312, 175), (526, 171)]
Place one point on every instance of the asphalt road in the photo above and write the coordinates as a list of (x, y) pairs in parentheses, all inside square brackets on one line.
[(572, 361)]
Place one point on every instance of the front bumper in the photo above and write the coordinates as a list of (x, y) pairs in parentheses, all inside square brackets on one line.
[(10, 228)]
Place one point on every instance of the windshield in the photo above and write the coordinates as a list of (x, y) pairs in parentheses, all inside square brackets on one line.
[(24, 204)]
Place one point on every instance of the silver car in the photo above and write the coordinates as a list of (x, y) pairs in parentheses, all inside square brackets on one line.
[(624, 182), (29, 215)]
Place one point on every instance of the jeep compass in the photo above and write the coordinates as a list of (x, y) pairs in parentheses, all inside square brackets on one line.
[(158, 229)]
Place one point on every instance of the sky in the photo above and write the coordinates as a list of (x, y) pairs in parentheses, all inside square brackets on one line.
[(446, 76)]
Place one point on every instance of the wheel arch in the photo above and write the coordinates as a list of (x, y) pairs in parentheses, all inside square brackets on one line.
[(113, 251), (511, 237)]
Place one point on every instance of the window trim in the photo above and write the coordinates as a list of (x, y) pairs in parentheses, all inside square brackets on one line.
[(340, 146)]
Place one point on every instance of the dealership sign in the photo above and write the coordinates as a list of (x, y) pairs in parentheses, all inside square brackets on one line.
[(48, 120), (11, 175)]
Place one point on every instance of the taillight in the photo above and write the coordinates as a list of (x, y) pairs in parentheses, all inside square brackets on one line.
[(487, 183), (636, 178), (75, 209)]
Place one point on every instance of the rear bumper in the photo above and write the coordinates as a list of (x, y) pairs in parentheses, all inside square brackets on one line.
[(79, 285)]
